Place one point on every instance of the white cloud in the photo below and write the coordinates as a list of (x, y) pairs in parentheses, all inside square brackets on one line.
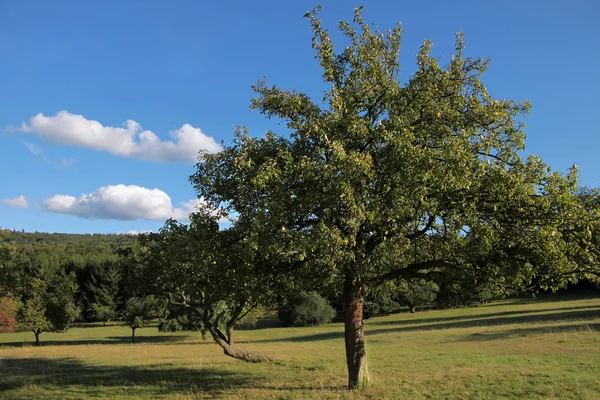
[(127, 141), (20, 202), (120, 202), (39, 153), (35, 150)]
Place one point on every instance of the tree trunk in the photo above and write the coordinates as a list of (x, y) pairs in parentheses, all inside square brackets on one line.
[(356, 355), (133, 335), (203, 334), (230, 350), (413, 309), (37, 338)]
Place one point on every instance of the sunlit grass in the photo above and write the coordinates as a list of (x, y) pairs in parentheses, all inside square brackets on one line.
[(509, 349)]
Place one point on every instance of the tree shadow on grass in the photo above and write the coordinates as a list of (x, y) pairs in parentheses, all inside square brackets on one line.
[(570, 315), (64, 375), (579, 315), (109, 340), (418, 320), (521, 332)]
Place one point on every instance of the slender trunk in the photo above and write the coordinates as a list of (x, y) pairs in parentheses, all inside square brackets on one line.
[(37, 338), (413, 309), (230, 350), (132, 335), (356, 355), (203, 334)]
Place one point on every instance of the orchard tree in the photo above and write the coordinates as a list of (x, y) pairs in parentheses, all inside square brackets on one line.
[(138, 311), (389, 178), (416, 293), (211, 275), (48, 305)]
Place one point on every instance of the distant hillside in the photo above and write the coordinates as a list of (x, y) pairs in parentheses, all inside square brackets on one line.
[(86, 240)]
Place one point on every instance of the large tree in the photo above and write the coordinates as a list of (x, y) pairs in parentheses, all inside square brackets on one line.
[(419, 178)]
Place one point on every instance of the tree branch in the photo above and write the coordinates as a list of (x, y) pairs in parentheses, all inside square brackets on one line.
[(409, 270)]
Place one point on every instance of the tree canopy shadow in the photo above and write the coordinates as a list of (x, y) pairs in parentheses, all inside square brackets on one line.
[(418, 320), (582, 327), (109, 340), (570, 314), (64, 373)]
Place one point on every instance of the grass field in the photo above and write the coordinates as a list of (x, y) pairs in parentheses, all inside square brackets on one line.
[(508, 349)]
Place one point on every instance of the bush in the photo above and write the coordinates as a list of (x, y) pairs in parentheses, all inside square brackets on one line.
[(169, 325), (308, 309), (8, 314), (180, 323)]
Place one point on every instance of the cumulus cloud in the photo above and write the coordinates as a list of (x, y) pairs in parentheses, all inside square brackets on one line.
[(20, 202), (127, 141), (121, 202)]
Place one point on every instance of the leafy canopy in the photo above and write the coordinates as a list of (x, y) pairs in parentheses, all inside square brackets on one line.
[(388, 178)]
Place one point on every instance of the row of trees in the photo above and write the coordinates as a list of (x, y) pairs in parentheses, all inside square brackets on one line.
[(48, 281), (385, 183)]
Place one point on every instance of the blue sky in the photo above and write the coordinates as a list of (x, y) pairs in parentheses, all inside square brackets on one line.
[(72, 73)]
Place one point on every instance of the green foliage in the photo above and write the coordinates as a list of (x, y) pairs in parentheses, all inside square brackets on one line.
[(309, 309), (102, 291), (215, 278), (382, 300), (181, 323), (251, 318), (94, 261), (139, 310), (48, 305), (33, 315), (397, 180), (416, 293)]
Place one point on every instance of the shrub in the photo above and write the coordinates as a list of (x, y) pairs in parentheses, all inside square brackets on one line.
[(170, 325), (308, 309)]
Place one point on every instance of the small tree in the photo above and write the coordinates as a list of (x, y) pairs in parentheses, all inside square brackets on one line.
[(137, 311), (416, 293), (48, 307), (212, 275)]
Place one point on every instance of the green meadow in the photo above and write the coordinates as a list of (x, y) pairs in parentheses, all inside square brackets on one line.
[(526, 349)]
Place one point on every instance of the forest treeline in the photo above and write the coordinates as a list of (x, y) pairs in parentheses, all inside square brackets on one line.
[(97, 273)]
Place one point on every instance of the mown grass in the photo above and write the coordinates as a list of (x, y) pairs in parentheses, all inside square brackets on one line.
[(509, 349)]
